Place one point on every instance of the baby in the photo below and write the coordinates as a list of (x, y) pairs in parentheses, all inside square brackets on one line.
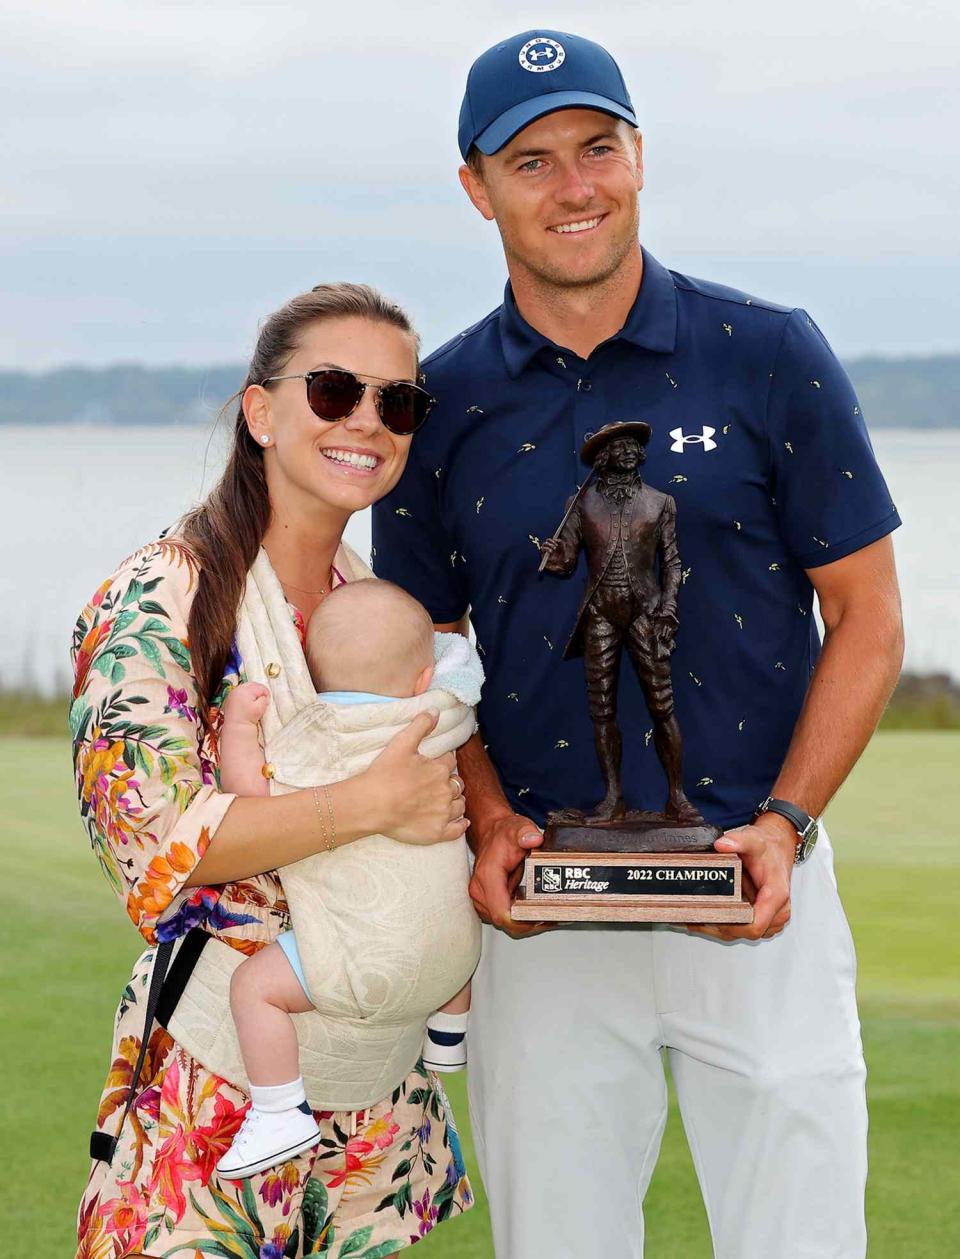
[(368, 634)]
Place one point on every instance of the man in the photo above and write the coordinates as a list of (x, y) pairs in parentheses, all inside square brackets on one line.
[(757, 435), (628, 529)]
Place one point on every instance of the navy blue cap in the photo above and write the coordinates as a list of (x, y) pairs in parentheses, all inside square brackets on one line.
[(537, 73)]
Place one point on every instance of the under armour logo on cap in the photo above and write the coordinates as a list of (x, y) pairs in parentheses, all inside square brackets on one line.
[(704, 439), (542, 54)]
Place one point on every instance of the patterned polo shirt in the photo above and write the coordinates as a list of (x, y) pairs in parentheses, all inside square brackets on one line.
[(757, 435)]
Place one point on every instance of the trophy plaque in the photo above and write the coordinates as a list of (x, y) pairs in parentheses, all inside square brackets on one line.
[(611, 864)]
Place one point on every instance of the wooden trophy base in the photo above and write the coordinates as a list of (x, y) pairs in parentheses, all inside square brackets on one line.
[(693, 883)]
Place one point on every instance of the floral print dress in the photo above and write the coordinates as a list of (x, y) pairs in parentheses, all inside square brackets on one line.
[(146, 772)]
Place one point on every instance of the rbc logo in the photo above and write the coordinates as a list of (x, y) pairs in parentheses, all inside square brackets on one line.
[(541, 54), (704, 439), (551, 879)]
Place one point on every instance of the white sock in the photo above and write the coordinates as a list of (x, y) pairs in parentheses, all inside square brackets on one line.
[(445, 1042), (441, 1022), (277, 1097)]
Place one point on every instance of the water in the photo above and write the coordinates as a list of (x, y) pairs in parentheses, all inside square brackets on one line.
[(78, 498)]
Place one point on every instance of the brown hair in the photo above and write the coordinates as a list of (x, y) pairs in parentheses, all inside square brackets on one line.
[(474, 160), (226, 530)]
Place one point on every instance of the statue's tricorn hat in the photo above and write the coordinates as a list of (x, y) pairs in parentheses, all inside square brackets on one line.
[(639, 429)]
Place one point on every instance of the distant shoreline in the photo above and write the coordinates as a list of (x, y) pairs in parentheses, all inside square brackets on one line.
[(921, 392)]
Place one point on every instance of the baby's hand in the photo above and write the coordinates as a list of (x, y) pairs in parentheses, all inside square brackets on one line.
[(246, 703)]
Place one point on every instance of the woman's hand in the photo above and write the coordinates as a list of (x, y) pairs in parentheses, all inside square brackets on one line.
[(415, 799)]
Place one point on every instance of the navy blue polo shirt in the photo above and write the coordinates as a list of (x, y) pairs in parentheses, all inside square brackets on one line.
[(757, 435)]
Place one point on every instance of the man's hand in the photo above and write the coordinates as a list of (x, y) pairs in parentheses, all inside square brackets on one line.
[(767, 849), (501, 844)]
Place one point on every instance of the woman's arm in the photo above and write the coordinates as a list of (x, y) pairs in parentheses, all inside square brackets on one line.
[(404, 795), (144, 771)]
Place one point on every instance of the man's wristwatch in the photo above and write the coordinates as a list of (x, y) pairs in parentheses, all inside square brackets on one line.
[(806, 826)]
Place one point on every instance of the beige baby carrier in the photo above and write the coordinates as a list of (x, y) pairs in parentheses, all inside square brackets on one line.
[(386, 931)]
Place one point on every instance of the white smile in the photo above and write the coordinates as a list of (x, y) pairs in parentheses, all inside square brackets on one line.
[(351, 459), (585, 225)]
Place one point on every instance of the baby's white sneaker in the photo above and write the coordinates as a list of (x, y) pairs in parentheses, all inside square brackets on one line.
[(445, 1042), (266, 1139), (278, 1126)]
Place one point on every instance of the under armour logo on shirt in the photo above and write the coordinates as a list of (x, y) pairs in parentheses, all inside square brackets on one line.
[(704, 439)]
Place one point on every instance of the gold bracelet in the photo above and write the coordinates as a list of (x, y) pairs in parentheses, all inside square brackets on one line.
[(316, 805), (330, 839), (332, 842)]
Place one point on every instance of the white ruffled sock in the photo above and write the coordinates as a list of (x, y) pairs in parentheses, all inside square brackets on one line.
[(274, 1098)]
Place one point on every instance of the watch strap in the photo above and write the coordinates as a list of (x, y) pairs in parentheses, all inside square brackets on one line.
[(800, 821), (805, 825)]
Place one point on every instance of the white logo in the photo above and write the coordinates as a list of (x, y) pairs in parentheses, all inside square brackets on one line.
[(551, 878), (704, 439), (542, 54)]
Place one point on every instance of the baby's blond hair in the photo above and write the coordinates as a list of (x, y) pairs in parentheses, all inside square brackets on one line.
[(371, 636)]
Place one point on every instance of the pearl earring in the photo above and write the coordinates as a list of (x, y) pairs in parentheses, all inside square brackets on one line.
[(265, 438)]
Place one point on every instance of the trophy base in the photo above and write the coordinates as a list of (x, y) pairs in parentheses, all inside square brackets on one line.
[(568, 830), (560, 886)]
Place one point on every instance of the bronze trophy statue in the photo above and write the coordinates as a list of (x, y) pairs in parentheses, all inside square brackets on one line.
[(655, 867)]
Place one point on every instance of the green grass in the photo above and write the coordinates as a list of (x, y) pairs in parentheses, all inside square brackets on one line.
[(66, 950), (27, 714)]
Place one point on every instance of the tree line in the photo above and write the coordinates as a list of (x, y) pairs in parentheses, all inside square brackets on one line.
[(894, 393)]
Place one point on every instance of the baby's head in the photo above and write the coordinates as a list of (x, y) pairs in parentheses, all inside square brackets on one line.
[(371, 636)]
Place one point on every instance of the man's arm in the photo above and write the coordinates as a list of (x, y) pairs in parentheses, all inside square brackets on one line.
[(500, 838), (851, 684)]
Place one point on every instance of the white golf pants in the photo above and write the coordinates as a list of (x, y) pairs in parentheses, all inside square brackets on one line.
[(568, 1099)]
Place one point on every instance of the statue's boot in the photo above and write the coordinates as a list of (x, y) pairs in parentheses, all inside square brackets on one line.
[(679, 809), (609, 809), (609, 745)]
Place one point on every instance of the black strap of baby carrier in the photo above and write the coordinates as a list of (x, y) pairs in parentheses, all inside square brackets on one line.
[(102, 1144)]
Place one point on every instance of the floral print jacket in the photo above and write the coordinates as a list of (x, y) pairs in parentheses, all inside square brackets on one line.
[(146, 775)]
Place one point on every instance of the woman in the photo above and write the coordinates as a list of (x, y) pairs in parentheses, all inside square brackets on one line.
[(154, 659)]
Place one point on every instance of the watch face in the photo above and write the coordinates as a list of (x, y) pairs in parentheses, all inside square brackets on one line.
[(809, 843)]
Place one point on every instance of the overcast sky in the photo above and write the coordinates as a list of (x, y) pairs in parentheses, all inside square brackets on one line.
[(172, 171)]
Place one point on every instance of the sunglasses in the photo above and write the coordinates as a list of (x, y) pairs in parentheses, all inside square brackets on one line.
[(333, 393)]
